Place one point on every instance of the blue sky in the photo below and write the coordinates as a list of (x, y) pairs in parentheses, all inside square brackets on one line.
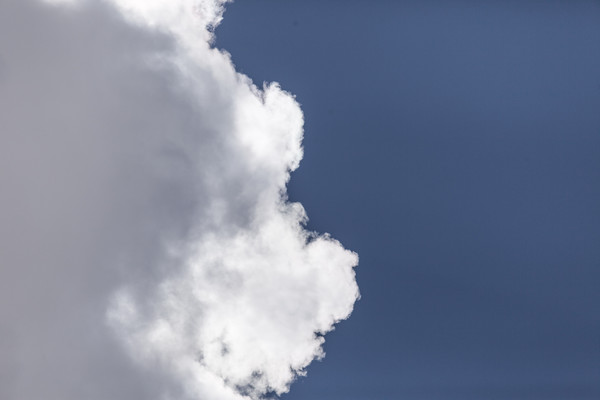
[(149, 249), (456, 147)]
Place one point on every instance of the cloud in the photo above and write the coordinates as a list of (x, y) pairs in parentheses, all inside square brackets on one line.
[(148, 249)]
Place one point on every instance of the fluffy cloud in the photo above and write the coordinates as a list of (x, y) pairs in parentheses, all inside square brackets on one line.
[(148, 250)]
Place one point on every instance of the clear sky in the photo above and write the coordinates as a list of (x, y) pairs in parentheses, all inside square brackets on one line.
[(455, 146)]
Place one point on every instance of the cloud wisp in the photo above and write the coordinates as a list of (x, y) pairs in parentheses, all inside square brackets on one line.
[(148, 249)]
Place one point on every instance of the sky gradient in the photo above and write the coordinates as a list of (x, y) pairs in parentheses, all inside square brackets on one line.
[(153, 246), (456, 147)]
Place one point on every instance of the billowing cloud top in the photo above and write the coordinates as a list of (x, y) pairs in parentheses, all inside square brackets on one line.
[(148, 250)]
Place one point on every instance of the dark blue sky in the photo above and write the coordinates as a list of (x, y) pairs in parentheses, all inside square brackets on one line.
[(455, 146)]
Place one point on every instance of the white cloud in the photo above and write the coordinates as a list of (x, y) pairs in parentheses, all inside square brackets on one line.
[(148, 248)]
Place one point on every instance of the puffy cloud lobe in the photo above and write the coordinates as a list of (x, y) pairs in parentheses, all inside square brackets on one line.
[(149, 250)]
